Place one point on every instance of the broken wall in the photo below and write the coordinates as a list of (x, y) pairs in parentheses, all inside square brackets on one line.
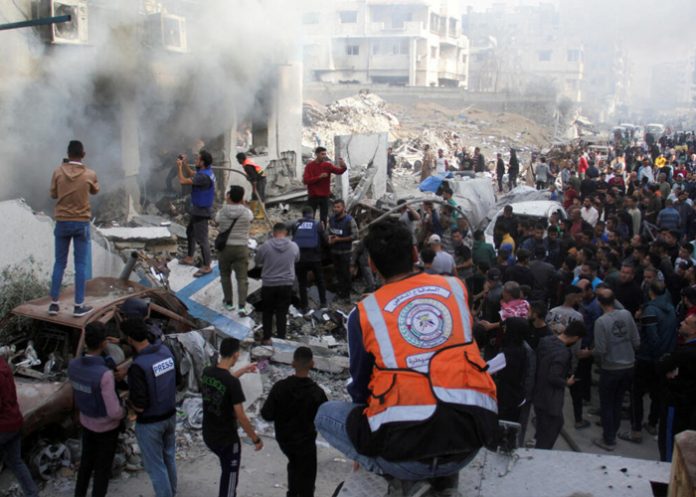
[(359, 151), (31, 239)]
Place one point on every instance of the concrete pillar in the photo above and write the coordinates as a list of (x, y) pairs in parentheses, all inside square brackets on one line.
[(285, 117), (413, 61), (130, 148)]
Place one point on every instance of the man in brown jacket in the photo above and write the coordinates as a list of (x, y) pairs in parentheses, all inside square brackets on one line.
[(71, 185)]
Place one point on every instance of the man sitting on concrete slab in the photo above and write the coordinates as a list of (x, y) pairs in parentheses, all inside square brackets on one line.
[(419, 412)]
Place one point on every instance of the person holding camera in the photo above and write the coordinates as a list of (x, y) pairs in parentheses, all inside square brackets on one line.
[(202, 182)]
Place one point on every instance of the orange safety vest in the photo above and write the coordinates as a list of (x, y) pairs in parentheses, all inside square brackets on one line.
[(419, 331), (259, 169)]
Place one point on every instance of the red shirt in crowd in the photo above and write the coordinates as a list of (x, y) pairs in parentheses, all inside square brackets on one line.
[(582, 165), (316, 185), (10, 416)]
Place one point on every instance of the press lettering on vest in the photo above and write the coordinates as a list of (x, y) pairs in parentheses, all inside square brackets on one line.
[(306, 226), (416, 292), (337, 231), (425, 323), (163, 367), (80, 387)]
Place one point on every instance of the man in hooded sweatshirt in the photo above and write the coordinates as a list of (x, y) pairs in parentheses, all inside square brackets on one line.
[(277, 258), (71, 185)]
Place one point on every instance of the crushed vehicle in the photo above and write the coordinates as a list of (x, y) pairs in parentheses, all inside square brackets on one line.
[(531, 210), (41, 346)]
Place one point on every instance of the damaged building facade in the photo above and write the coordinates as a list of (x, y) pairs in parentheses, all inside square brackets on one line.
[(139, 82), (414, 43)]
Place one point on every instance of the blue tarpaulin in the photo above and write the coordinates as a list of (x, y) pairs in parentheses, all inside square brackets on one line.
[(432, 183)]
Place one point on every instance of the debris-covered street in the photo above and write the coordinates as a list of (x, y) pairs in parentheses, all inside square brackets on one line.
[(404, 248)]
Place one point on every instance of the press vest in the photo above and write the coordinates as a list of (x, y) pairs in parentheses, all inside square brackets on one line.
[(341, 227), (85, 374), (204, 197), (157, 362), (259, 170), (306, 234), (419, 331)]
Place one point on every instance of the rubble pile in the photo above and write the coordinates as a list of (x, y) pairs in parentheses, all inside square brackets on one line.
[(363, 113)]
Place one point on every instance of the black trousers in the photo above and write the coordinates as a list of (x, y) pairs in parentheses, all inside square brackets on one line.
[(581, 390), (276, 302), (613, 384), (98, 450), (302, 468), (512, 180), (230, 457), (645, 380), (197, 233), (301, 269), (341, 264), (322, 203), (548, 427)]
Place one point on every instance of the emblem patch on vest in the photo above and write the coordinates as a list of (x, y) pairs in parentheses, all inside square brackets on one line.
[(425, 323), (163, 367)]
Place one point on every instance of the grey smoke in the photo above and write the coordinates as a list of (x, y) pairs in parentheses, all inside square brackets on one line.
[(51, 94)]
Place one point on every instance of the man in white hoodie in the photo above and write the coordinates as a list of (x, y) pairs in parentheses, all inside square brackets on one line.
[(277, 258)]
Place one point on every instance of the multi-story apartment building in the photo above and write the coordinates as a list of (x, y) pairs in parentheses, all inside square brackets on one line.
[(399, 42)]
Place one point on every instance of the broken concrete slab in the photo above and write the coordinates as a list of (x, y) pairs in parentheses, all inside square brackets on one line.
[(175, 229), (360, 150), (32, 241), (203, 297), (282, 351), (252, 384)]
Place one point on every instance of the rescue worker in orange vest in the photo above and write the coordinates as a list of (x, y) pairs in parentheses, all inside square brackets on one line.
[(255, 175), (423, 403)]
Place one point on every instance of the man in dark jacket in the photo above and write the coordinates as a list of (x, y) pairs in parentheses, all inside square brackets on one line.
[(678, 374), (292, 405), (10, 438), (507, 223), (552, 377), (658, 336), (308, 235)]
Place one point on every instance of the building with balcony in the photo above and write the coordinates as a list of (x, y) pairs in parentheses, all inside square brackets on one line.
[(406, 42)]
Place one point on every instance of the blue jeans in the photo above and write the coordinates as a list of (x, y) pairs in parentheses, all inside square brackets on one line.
[(157, 443), (64, 232), (331, 423), (11, 454)]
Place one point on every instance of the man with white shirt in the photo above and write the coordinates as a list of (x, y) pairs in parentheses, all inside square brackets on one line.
[(443, 262), (441, 163), (588, 213)]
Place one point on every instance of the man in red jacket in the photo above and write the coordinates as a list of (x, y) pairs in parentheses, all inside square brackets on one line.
[(317, 177), (10, 439)]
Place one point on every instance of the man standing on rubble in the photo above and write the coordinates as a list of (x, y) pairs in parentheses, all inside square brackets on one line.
[(256, 176), (152, 395), (309, 235), (277, 258), (428, 162), (71, 185), (342, 231), (100, 409), (317, 177), (419, 413), (202, 182)]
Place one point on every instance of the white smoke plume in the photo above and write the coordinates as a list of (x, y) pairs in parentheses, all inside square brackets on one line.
[(50, 94)]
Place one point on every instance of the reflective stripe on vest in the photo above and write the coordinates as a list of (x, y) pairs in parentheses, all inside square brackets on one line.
[(374, 315), (401, 413), (463, 307), (466, 396)]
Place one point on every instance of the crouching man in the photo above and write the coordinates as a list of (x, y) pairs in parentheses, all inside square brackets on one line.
[(422, 402)]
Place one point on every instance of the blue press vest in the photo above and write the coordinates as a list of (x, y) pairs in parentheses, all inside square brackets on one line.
[(306, 234), (204, 197), (341, 228), (85, 375), (157, 362)]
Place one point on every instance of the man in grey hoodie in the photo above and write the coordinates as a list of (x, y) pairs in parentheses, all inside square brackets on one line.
[(235, 255), (616, 340), (277, 258)]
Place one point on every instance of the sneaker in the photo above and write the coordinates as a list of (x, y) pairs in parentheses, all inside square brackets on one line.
[(581, 425), (230, 307), (81, 310), (651, 429), (53, 309), (246, 310), (599, 442), (631, 436)]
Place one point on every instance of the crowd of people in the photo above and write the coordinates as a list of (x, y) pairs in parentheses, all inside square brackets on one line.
[(450, 334)]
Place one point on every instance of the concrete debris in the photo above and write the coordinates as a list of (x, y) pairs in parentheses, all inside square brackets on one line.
[(155, 240), (325, 359), (192, 408), (196, 353), (145, 220)]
